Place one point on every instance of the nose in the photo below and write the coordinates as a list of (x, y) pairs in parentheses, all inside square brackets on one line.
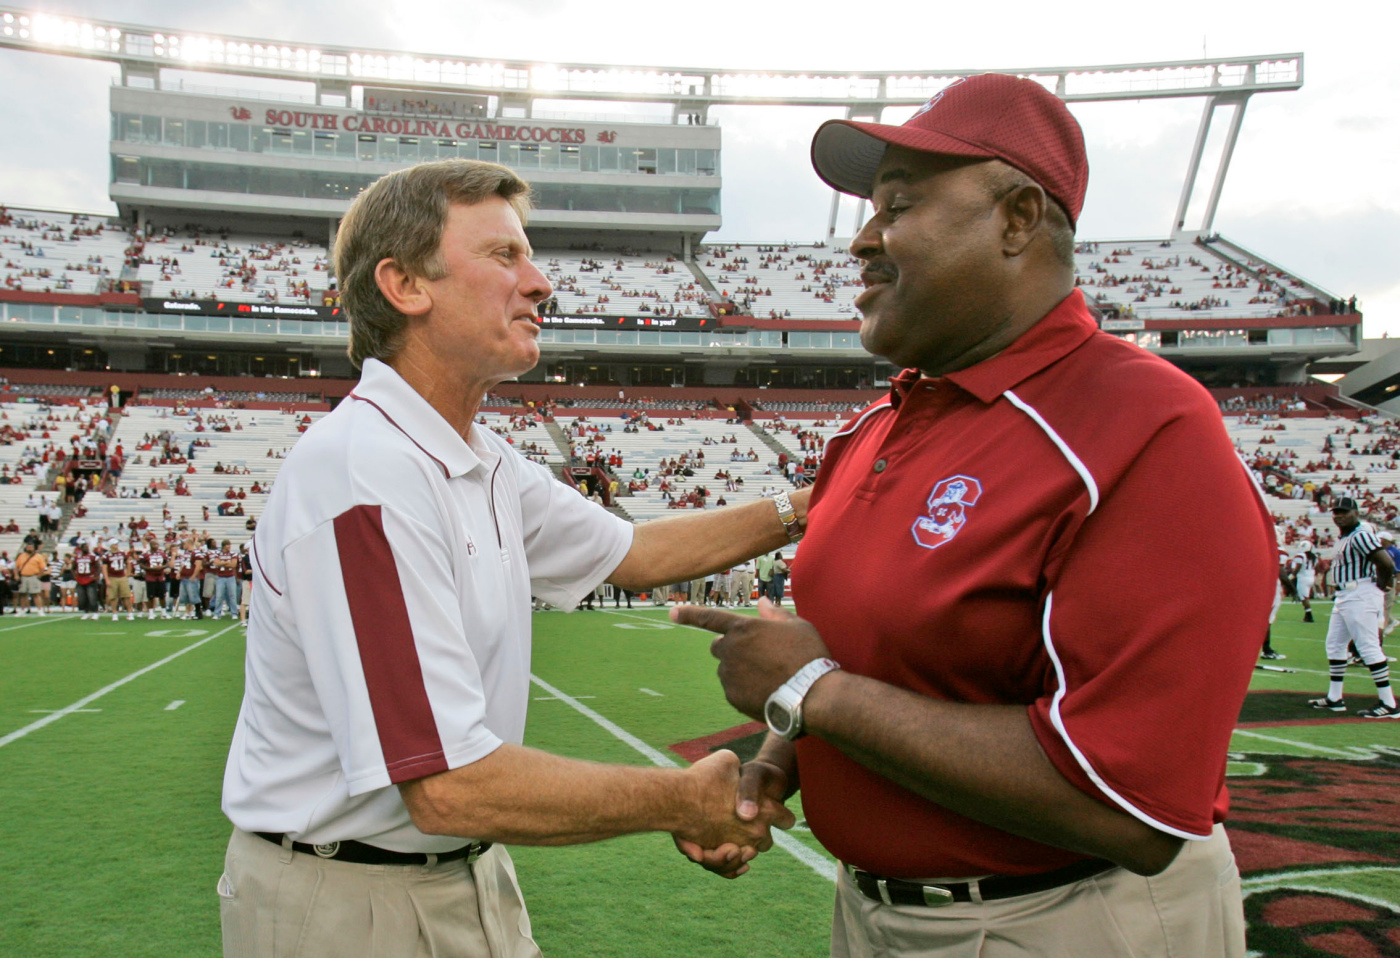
[(534, 286), (866, 244)]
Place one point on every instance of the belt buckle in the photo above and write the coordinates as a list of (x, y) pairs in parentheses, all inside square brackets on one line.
[(475, 850), (935, 896)]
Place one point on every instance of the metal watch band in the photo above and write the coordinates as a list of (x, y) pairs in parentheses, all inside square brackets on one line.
[(787, 515)]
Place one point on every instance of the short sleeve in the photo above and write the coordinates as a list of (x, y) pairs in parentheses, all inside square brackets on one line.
[(571, 544), (1153, 622), (373, 600)]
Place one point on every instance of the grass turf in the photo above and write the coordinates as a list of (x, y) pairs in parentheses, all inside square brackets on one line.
[(112, 838)]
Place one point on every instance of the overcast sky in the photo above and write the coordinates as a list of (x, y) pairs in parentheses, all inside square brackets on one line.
[(1312, 185)]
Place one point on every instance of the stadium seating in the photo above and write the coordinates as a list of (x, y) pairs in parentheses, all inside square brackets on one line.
[(645, 449), (262, 431), (29, 422), (787, 281), (48, 252), (1146, 279), (1298, 451), (621, 284), (235, 267), (1182, 279)]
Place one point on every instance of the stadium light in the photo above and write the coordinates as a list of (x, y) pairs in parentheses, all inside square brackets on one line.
[(132, 44)]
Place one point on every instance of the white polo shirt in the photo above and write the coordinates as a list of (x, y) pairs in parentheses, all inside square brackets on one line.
[(390, 630)]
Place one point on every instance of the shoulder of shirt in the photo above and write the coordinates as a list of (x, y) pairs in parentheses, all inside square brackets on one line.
[(1107, 369), (359, 447)]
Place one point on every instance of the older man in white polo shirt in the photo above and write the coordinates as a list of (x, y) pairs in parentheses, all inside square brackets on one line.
[(377, 758)]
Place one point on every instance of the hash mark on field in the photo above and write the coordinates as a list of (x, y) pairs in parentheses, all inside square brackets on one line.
[(76, 706), (174, 705), (650, 692)]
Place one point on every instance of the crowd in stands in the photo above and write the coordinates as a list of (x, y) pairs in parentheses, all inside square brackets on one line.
[(1180, 278), (57, 252), (785, 281), (223, 266), (1356, 459), (1263, 403), (51, 252), (655, 285)]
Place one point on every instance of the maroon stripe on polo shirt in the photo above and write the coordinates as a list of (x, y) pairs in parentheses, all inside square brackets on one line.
[(408, 734)]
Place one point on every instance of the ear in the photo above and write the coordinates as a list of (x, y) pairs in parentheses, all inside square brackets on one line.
[(404, 291), (1024, 209)]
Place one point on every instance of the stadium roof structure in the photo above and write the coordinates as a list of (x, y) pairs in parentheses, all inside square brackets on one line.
[(144, 51)]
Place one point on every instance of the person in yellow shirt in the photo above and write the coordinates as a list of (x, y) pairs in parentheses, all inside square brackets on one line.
[(29, 566)]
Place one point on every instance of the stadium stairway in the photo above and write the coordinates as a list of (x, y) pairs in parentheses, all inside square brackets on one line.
[(702, 279), (562, 441), (766, 438)]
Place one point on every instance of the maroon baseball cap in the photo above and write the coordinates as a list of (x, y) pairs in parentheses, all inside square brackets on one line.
[(992, 115)]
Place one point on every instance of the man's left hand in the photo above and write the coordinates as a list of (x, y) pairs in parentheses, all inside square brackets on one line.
[(756, 655)]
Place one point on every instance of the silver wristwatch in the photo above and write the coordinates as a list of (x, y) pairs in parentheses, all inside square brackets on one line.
[(783, 710)]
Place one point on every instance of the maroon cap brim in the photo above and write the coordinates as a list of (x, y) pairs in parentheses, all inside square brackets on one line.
[(846, 154)]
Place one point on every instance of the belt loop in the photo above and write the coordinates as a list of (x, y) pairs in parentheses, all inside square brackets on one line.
[(884, 890), (974, 891), (432, 860), (287, 851)]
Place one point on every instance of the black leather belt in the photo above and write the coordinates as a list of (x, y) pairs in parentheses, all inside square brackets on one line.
[(897, 891), (361, 854)]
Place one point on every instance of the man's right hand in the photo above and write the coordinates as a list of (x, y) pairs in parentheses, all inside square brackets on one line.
[(762, 786), (738, 807)]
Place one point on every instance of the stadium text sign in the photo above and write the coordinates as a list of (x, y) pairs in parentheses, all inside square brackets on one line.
[(411, 126), (217, 307), (687, 324)]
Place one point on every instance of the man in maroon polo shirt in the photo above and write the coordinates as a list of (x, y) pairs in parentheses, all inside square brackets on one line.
[(1022, 749)]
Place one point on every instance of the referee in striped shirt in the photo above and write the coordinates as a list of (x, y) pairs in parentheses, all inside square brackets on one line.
[(1361, 571)]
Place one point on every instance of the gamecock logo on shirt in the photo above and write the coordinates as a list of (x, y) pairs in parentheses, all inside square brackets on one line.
[(947, 511)]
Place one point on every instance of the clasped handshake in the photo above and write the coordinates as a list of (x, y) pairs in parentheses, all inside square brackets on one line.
[(741, 806), (756, 655)]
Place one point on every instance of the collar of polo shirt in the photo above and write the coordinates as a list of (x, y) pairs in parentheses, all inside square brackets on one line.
[(400, 403)]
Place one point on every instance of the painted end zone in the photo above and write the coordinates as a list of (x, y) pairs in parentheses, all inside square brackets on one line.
[(737, 739)]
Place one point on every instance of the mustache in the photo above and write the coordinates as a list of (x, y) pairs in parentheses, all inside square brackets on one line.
[(879, 271)]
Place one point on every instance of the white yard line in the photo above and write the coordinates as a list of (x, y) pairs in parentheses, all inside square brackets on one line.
[(822, 866), (1284, 877), (41, 620), (83, 702), (1358, 753)]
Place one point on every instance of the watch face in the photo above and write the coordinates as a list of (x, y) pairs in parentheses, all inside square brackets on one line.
[(779, 717)]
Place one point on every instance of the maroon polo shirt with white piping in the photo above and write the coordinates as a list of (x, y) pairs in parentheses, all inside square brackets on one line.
[(389, 636), (1064, 526)]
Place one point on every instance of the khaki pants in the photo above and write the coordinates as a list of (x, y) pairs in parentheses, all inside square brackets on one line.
[(1192, 909), (277, 903), (743, 588)]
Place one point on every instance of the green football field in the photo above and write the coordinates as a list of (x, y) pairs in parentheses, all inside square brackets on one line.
[(113, 737)]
